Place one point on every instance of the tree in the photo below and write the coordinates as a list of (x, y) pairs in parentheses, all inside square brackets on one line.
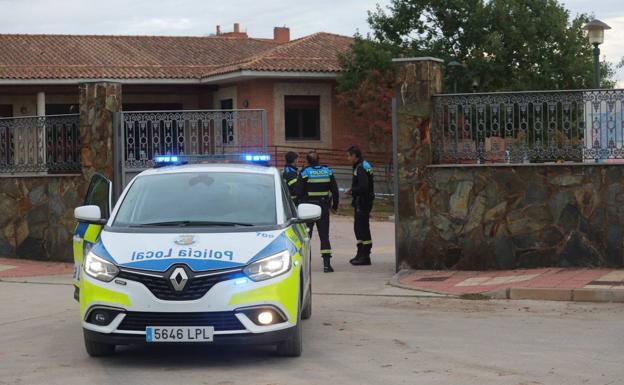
[(366, 86), (505, 45)]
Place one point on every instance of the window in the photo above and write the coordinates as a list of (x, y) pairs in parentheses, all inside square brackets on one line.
[(98, 194), (200, 197), (61, 109), (302, 117), (6, 110)]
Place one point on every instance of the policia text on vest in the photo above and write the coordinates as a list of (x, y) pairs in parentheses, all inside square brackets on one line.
[(316, 184)]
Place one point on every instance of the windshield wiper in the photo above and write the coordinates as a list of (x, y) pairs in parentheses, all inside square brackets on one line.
[(192, 223)]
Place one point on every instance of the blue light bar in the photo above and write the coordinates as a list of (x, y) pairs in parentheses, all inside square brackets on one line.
[(260, 158), (166, 159)]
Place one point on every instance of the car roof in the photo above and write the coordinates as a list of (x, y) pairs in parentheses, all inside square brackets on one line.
[(211, 167)]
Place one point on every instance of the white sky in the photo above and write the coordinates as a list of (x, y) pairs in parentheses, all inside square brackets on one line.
[(199, 17)]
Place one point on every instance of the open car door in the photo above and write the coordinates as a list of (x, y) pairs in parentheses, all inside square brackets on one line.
[(86, 233)]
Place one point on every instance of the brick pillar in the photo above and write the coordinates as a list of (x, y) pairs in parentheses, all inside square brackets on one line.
[(418, 79), (98, 102)]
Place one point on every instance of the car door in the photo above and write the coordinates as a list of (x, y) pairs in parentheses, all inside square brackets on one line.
[(302, 230), (86, 234)]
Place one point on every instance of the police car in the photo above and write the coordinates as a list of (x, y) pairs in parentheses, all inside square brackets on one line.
[(203, 253)]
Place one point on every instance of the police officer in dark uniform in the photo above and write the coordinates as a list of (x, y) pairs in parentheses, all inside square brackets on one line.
[(317, 185), (290, 173), (363, 192)]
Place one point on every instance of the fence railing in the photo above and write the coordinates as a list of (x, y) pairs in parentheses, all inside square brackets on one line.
[(337, 160), (147, 134), (529, 127), (40, 144)]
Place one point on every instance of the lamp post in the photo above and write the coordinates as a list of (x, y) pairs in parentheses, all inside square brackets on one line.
[(454, 66), (595, 32)]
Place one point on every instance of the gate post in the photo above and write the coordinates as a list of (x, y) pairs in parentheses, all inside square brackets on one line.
[(418, 79), (98, 102)]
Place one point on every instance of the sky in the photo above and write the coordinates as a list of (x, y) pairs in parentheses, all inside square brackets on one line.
[(257, 17)]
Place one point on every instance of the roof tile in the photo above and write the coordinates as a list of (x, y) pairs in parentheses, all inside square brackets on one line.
[(160, 57)]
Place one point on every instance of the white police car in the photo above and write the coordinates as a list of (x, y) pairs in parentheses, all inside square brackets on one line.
[(212, 253)]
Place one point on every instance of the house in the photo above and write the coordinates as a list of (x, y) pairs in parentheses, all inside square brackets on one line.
[(294, 81)]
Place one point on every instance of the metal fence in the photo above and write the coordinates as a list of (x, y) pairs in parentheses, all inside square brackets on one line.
[(529, 127), (343, 170), (40, 144), (195, 133)]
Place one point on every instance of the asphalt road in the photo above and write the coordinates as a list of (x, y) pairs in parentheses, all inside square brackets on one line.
[(361, 332)]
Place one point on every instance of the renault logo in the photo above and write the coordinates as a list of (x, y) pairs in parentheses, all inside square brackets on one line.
[(185, 240), (178, 278)]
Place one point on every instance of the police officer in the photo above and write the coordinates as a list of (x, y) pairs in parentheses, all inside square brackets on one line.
[(363, 193), (290, 173), (317, 185)]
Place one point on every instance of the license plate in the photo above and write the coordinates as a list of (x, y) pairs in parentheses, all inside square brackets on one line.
[(179, 333)]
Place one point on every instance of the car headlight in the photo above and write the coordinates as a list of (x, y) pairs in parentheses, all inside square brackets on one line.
[(99, 268), (269, 267)]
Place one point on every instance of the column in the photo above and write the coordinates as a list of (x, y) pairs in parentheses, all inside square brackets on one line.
[(418, 79), (98, 102), (41, 129)]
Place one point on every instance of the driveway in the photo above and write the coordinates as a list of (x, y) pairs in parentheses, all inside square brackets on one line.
[(361, 332)]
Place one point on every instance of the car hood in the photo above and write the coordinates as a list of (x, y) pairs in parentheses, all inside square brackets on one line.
[(199, 251)]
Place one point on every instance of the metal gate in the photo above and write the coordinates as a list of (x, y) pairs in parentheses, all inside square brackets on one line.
[(140, 136)]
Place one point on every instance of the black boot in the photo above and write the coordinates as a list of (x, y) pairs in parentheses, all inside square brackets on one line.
[(358, 254), (327, 268), (363, 260)]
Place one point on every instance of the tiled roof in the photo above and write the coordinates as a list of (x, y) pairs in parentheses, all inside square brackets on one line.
[(314, 53), (160, 57)]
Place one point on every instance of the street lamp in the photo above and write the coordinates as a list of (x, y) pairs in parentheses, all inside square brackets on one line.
[(454, 67), (595, 32)]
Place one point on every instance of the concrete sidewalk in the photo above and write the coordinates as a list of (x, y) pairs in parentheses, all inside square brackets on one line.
[(558, 284)]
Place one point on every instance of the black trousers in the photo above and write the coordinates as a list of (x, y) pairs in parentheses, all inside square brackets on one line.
[(322, 226), (361, 227)]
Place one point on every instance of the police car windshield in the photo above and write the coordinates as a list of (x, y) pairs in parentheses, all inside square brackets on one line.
[(199, 199)]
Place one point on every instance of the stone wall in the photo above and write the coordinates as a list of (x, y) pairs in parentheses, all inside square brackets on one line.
[(37, 216), (489, 217), (37, 212)]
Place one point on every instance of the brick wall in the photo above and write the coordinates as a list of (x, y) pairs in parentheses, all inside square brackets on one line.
[(345, 133), (260, 94)]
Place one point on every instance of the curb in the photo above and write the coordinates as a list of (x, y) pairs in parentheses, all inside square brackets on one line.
[(553, 294), (525, 293), (395, 282)]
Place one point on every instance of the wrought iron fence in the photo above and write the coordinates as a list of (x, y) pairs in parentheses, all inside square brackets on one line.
[(40, 144), (529, 127), (147, 134)]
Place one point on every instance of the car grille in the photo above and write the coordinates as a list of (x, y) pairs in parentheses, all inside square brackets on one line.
[(221, 321), (195, 288)]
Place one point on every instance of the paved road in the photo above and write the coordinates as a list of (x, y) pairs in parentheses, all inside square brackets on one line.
[(361, 332)]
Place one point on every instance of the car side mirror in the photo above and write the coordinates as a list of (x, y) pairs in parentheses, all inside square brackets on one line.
[(89, 214), (308, 212)]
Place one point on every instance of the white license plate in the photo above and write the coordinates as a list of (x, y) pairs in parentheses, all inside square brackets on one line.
[(179, 333)]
